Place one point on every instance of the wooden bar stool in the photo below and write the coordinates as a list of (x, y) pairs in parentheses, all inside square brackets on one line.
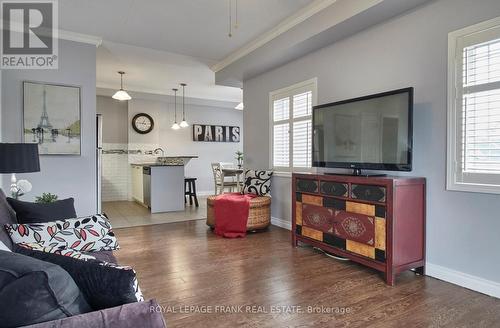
[(190, 190)]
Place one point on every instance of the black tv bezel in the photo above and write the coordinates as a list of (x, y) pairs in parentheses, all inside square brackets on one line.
[(372, 166)]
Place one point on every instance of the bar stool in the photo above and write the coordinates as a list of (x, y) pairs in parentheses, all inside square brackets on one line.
[(190, 190)]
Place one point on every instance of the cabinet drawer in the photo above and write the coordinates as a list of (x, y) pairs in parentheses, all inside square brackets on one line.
[(368, 192), (334, 188), (306, 185)]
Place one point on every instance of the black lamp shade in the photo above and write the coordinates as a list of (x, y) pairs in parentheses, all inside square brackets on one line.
[(19, 158)]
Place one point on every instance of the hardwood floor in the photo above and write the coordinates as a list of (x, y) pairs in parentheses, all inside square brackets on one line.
[(185, 265)]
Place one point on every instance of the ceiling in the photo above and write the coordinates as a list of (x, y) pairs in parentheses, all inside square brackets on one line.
[(157, 72), (197, 28), (160, 43)]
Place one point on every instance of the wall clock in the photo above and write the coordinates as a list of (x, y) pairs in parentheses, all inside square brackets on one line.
[(143, 123)]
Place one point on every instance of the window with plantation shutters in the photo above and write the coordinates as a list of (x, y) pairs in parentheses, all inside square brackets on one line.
[(291, 126), (474, 108)]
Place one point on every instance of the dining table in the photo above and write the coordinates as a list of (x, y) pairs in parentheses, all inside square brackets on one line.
[(232, 172)]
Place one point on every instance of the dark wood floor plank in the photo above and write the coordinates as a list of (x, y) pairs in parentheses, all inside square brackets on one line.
[(185, 265)]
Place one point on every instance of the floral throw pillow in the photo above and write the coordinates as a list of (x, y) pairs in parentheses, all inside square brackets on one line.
[(86, 234), (57, 250), (257, 182)]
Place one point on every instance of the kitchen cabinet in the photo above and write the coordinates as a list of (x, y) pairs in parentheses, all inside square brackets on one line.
[(137, 183)]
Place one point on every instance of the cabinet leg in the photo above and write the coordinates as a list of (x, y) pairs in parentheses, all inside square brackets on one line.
[(420, 270), (390, 278), (294, 241)]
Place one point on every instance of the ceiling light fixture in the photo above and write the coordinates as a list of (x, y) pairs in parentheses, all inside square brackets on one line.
[(175, 126), (183, 124), (236, 22), (121, 94)]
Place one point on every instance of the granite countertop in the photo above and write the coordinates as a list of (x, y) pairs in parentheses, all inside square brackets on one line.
[(167, 161), (155, 164)]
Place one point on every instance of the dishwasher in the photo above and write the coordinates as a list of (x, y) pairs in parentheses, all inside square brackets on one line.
[(146, 185)]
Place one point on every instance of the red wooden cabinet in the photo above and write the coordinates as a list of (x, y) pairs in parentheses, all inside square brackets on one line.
[(376, 221)]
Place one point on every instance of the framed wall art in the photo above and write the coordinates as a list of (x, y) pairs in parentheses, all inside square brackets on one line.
[(52, 115)]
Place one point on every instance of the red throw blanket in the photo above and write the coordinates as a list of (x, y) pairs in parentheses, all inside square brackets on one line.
[(231, 214)]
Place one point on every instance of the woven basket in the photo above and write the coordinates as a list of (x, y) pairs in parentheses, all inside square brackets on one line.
[(259, 216)]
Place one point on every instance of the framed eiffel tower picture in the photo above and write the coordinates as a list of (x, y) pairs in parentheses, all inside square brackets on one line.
[(52, 116)]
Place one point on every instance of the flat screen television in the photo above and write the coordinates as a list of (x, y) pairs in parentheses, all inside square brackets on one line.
[(373, 132)]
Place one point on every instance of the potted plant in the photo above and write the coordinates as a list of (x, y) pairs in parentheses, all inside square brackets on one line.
[(239, 158), (46, 198)]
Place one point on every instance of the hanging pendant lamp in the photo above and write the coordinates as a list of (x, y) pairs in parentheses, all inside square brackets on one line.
[(121, 94), (183, 124), (175, 126)]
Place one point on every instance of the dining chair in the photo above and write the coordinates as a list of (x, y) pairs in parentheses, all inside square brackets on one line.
[(220, 182)]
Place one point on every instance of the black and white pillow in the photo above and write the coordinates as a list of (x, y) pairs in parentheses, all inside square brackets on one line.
[(257, 182)]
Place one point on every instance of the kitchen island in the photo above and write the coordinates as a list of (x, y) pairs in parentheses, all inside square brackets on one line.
[(160, 185)]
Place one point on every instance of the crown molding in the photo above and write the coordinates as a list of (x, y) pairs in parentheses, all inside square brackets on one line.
[(79, 37), (62, 34), (289, 23)]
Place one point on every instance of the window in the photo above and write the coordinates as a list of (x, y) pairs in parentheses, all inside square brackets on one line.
[(474, 108), (291, 126)]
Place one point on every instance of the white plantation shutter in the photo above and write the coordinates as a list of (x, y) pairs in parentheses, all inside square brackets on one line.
[(281, 109), (302, 104), (281, 145), (474, 112), (481, 108), (292, 126), (302, 143)]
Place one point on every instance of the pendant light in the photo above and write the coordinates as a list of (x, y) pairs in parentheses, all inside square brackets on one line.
[(183, 124), (175, 126), (121, 94)]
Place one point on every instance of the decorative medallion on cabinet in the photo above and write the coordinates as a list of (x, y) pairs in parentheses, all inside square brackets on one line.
[(378, 222)]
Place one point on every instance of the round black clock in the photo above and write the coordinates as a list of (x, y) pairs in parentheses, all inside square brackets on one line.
[(143, 123)]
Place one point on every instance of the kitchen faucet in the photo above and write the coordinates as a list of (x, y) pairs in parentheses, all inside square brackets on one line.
[(159, 149)]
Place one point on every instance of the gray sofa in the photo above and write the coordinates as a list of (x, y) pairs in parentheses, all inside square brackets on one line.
[(140, 314)]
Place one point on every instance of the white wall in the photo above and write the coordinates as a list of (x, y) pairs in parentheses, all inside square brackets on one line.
[(180, 142), (114, 114), (410, 50), (66, 176)]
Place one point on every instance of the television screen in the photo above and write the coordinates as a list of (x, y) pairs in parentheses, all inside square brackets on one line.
[(372, 132)]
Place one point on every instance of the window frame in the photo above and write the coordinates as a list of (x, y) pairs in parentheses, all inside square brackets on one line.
[(290, 91), (456, 180)]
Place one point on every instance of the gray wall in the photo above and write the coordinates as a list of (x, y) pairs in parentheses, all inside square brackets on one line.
[(66, 176), (181, 142), (411, 50), (115, 124)]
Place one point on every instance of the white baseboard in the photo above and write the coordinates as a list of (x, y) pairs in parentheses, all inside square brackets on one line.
[(281, 223), (477, 284)]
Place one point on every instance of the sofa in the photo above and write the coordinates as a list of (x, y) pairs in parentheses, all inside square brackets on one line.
[(138, 314)]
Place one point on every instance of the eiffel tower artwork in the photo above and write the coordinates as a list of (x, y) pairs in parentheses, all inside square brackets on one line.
[(52, 118), (44, 119)]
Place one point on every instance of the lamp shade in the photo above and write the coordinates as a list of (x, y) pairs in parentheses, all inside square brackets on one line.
[(121, 95), (19, 158)]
